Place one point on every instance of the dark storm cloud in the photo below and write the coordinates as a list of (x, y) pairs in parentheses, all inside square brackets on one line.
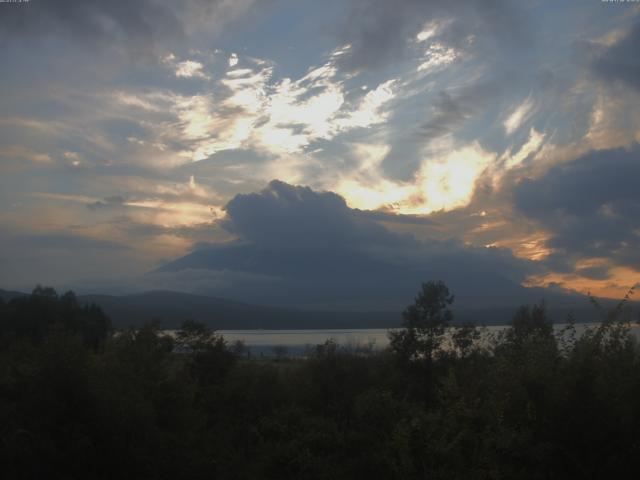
[(317, 250), (620, 62), (591, 206), (298, 217), (378, 30), (138, 26), (394, 218)]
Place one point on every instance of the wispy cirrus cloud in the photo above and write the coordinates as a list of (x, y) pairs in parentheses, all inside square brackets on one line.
[(519, 115)]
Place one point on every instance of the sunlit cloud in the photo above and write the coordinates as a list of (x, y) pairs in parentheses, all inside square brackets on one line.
[(619, 280), (449, 182), (519, 115), (276, 116), (381, 194), (366, 188), (151, 101), (73, 159), (613, 123), (531, 146), (430, 30), (440, 184), (189, 68), (370, 110), (437, 56), (195, 115), (166, 204), (170, 214)]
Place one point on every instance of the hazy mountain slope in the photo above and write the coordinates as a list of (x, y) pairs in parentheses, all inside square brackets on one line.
[(7, 295), (171, 308)]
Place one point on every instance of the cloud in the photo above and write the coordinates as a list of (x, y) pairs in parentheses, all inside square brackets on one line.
[(318, 251), (463, 106), (190, 68), (366, 186), (370, 109), (618, 61), (139, 27), (252, 110), (61, 258), (419, 107), (16, 155), (200, 233), (437, 56), (443, 182), (63, 241), (114, 201), (519, 116), (590, 207), (380, 32), (448, 113), (598, 272), (450, 182), (285, 216), (138, 22), (529, 148)]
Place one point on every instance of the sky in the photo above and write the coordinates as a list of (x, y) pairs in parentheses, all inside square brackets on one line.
[(332, 151)]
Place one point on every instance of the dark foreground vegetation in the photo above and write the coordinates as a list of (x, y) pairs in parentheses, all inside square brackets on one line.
[(78, 400)]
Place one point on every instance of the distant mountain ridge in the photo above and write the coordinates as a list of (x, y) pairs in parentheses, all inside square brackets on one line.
[(172, 308), (7, 295)]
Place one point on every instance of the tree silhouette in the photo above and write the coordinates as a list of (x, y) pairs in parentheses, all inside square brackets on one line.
[(424, 324), (35, 316)]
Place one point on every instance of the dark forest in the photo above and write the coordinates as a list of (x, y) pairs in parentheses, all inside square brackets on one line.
[(79, 399)]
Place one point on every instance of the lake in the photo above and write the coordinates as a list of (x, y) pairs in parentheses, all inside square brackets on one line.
[(297, 342)]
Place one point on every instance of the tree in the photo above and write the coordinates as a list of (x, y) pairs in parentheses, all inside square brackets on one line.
[(529, 321), (208, 357), (195, 336), (464, 338), (42, 313), (424, 324)]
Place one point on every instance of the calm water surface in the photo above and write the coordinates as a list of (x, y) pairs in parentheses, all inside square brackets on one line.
[(296, 342)]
